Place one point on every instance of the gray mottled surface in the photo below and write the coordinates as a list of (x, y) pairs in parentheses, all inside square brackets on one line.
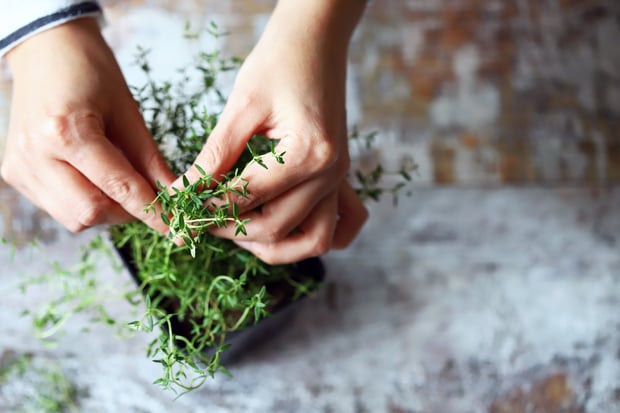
[(461, 300)]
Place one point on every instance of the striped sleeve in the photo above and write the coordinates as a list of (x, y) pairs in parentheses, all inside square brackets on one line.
[(22, 19)]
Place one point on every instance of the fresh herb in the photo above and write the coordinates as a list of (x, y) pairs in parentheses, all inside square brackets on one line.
[(207, 285)]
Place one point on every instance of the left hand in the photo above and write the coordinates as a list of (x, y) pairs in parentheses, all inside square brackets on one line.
[(291, 88)]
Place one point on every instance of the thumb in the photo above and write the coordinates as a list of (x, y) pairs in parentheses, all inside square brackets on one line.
[(224, 145)]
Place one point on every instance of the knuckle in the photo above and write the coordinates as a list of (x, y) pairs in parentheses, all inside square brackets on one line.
[(75, 227), (274, 235), (116, 187), (90, 215), (322, 244), (57, 128), (251, 200), (212, 153), (56, 124), (155, 162), (269, 257), (64, 129), (324, 154)]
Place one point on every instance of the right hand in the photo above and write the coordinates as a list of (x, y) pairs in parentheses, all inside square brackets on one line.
[(291, 88), (77, 144)]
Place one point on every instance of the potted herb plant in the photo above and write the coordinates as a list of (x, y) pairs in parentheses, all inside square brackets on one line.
[(205, 297)]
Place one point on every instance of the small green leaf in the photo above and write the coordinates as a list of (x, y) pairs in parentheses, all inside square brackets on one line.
[(240, 228), (165, 219), (199, 168)]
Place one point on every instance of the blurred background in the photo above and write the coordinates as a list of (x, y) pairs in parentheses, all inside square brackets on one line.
[(495, 287), (485, 92)]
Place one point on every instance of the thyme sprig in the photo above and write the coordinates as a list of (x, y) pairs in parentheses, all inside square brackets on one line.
[(206, 203)]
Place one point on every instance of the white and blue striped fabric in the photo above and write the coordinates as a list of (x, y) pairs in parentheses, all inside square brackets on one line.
[(21, 19)]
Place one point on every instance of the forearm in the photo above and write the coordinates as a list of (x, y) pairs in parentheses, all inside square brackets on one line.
[(328, 23)]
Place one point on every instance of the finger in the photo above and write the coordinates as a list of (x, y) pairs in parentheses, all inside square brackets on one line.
[(74, 201), (64, 193), (314, 237), (352, 214), (20, 178), (226, 143), (306, 157), (105, 166), (129, 132), (279, 217)]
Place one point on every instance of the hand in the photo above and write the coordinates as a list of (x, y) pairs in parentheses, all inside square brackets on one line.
[(77, 145), (292, 88)]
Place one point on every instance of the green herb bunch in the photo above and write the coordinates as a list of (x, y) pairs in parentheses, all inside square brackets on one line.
[(208, 285), (194, 288)]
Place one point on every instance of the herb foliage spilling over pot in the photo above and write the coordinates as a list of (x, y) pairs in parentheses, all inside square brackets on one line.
[(197, 295)]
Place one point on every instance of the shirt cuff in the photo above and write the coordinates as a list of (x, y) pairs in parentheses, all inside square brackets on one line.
[(25, 18)]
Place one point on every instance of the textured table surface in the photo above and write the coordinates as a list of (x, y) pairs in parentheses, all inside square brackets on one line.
[(461, 300)]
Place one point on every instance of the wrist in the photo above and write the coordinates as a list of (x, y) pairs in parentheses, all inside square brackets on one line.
[(31, 51)]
